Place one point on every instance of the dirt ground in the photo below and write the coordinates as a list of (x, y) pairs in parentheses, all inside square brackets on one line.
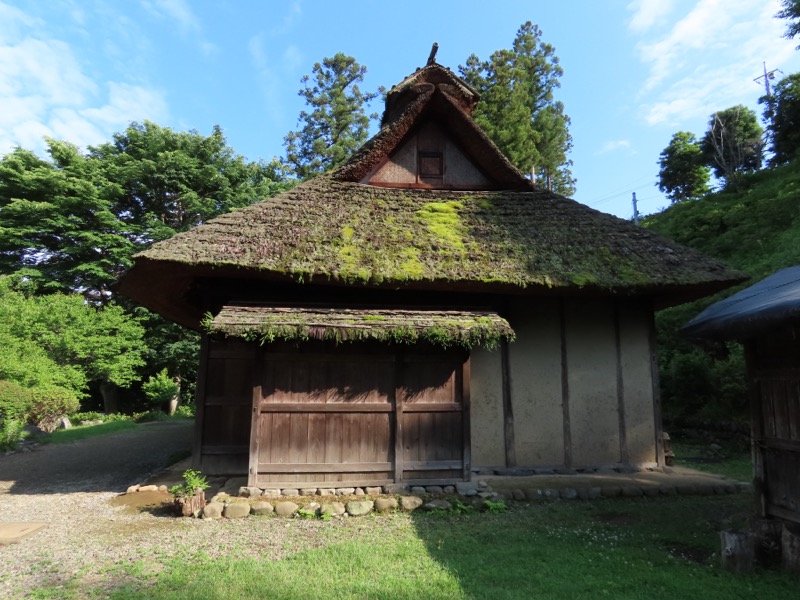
[(106, 463)]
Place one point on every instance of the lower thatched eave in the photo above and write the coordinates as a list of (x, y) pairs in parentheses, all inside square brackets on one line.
[(265, 324)]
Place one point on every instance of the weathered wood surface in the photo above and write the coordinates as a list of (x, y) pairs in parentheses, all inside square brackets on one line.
[(328, 419), (790, 548), (192, 505), (774, 370), (737, 552)]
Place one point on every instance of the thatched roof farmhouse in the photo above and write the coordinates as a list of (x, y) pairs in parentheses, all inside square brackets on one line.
[(421, 313)]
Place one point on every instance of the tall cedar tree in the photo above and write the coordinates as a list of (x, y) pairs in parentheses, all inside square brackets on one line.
[(337, 123), (733, 143), (683, 174), (791, 12), (782, 111), (518, 109)]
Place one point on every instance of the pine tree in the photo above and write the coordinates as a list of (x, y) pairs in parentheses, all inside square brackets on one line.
[(336, 123), (518, 109)]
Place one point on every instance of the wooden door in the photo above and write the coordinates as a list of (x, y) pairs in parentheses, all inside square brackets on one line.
[(352, 418), (431, 419)]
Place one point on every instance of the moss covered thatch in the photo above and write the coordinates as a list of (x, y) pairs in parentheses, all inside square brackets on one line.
[(443, 328), (353, 233), (337, 230)]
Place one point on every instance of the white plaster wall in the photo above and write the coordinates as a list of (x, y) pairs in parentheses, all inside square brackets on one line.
[(486, 409), (535, 366), (592, 364), (640, 426)]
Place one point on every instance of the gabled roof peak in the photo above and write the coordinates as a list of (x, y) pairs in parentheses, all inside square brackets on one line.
[(428, 78)]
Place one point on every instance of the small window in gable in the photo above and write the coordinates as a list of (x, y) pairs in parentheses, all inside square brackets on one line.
[(431, 165)]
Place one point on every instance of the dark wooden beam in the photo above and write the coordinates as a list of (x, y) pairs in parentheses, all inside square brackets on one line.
[(562, 318), (654, 377), (199, 402), (508, 408), (465, 418), (399, 408), (623, 436), (257, 360)]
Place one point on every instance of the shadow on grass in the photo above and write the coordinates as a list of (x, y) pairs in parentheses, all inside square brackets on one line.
[(651, 549), (645, 548)]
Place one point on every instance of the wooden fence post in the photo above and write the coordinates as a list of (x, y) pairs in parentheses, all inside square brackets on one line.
[(738, 551), (790, 548)]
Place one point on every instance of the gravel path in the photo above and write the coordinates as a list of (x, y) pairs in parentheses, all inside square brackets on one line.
[(92, 544)]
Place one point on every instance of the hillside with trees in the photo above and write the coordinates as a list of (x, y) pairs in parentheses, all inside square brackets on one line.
[(752, 222)]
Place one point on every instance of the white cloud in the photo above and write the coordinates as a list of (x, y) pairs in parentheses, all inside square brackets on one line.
[(188, 23), (45, 91), (648, 13), (613, 145), (291, 17), (709, 58)]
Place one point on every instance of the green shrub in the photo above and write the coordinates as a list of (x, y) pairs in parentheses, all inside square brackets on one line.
[(192, 482), (185, 410), (15, 401), (149, 416), (160, 388), (91, 415), (11, 432), (86, 416), (50, 405)]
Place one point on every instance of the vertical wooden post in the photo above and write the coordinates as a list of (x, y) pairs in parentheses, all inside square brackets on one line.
[(623, 436), (258, 360), (562, 317), (397, 391), (790, 548), (465, 420), (756, 427), (655, 378), (737, 552), (508, 409), (199, 404)]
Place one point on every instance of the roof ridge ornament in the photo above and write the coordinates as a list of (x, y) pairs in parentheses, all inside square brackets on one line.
[(432, 56)]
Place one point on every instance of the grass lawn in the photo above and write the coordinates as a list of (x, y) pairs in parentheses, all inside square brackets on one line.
[(648, 548), (81, 432), (732, 461), (617, 548)]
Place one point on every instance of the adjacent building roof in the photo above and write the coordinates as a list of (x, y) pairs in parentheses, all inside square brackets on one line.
[(443, 328), (339, 231), (770, 303)]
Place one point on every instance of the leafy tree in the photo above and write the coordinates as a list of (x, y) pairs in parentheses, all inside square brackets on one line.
[(59, 341), (791, 12), (518, 109), (167, 181), (336, 123), (683, 176), (72, 223), (57, 225), (733, 143), (782, 110)]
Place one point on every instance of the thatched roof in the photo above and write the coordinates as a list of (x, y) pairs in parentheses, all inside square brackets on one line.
[(336, 230), (443, 328)]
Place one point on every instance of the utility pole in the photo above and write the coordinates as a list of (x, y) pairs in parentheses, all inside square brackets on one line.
[(635, 210), (767, 76)]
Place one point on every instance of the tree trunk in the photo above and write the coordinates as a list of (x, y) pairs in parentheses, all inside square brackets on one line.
[(738, 551), (110, 394), (790, 548), (191, 506), (173, 402)]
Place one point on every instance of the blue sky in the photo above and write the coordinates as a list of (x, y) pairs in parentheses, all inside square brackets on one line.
[(635, 71)]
